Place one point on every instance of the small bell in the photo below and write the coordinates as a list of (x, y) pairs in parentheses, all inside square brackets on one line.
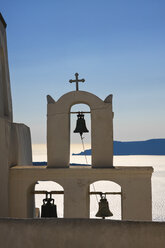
[(81, 125), (103, 208), (48, 208)]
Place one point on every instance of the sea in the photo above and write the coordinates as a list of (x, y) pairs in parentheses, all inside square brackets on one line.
[(158, 183)]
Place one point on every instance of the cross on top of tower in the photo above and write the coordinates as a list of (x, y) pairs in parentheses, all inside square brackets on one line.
[(77, 80)]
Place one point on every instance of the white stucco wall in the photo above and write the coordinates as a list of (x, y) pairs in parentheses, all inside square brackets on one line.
[(20, 143), (135, 185), (4, 166), (15, 140), (80, 233)]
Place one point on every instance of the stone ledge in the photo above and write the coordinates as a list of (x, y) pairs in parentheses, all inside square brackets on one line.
[(62, 233), (86, 170)]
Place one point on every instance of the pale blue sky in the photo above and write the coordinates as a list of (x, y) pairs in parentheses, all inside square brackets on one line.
[(117, 46)]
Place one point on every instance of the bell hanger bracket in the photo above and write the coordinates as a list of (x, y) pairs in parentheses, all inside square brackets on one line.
[(104, 194)]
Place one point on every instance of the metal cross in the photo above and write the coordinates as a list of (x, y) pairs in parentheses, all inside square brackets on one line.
[(77, 80)]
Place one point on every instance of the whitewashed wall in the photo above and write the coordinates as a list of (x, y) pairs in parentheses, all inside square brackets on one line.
[(80, 233)]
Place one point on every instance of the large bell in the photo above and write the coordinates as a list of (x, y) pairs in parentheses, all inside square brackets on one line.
[(81, 125), (48, 208), (103, 208)]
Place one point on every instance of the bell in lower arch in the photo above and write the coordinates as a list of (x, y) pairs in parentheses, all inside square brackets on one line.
[(48, 209), (81, 125), (103, 208)]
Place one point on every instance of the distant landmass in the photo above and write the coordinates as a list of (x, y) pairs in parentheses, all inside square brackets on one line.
[(148, 147), (43, 163)]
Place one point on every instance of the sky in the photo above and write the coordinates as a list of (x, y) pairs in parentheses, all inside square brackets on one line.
[(117, 46)]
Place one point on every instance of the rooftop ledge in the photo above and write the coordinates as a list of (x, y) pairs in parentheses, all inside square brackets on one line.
[(117, 169)]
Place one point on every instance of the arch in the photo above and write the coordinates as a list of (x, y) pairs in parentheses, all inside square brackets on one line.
[(109, 180), (65, 102), (75, 139), (37, 200), (76, 97), (115, 201), (58, 129)]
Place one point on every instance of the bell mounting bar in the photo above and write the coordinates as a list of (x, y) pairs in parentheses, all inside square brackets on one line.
[(43, 192), (82, 112), (60, 192), (106, 193)]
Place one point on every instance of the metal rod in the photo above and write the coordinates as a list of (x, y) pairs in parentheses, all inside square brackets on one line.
[(43, 192), (105, 193), (59, 192), (83, 112)]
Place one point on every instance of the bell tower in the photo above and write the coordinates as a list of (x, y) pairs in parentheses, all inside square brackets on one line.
[(58, 128), (134, 182), (18, 176)]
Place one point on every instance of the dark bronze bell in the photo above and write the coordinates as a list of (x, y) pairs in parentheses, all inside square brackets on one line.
[(81, 125), (103, 208), (48, 209)]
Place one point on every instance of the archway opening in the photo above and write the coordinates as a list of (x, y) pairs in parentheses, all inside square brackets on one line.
[(77, 144), (57, 194), (113, 197)]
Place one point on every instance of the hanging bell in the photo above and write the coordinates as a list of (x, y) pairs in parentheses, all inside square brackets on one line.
[(48, 208), (103, 208), (81, 125)]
